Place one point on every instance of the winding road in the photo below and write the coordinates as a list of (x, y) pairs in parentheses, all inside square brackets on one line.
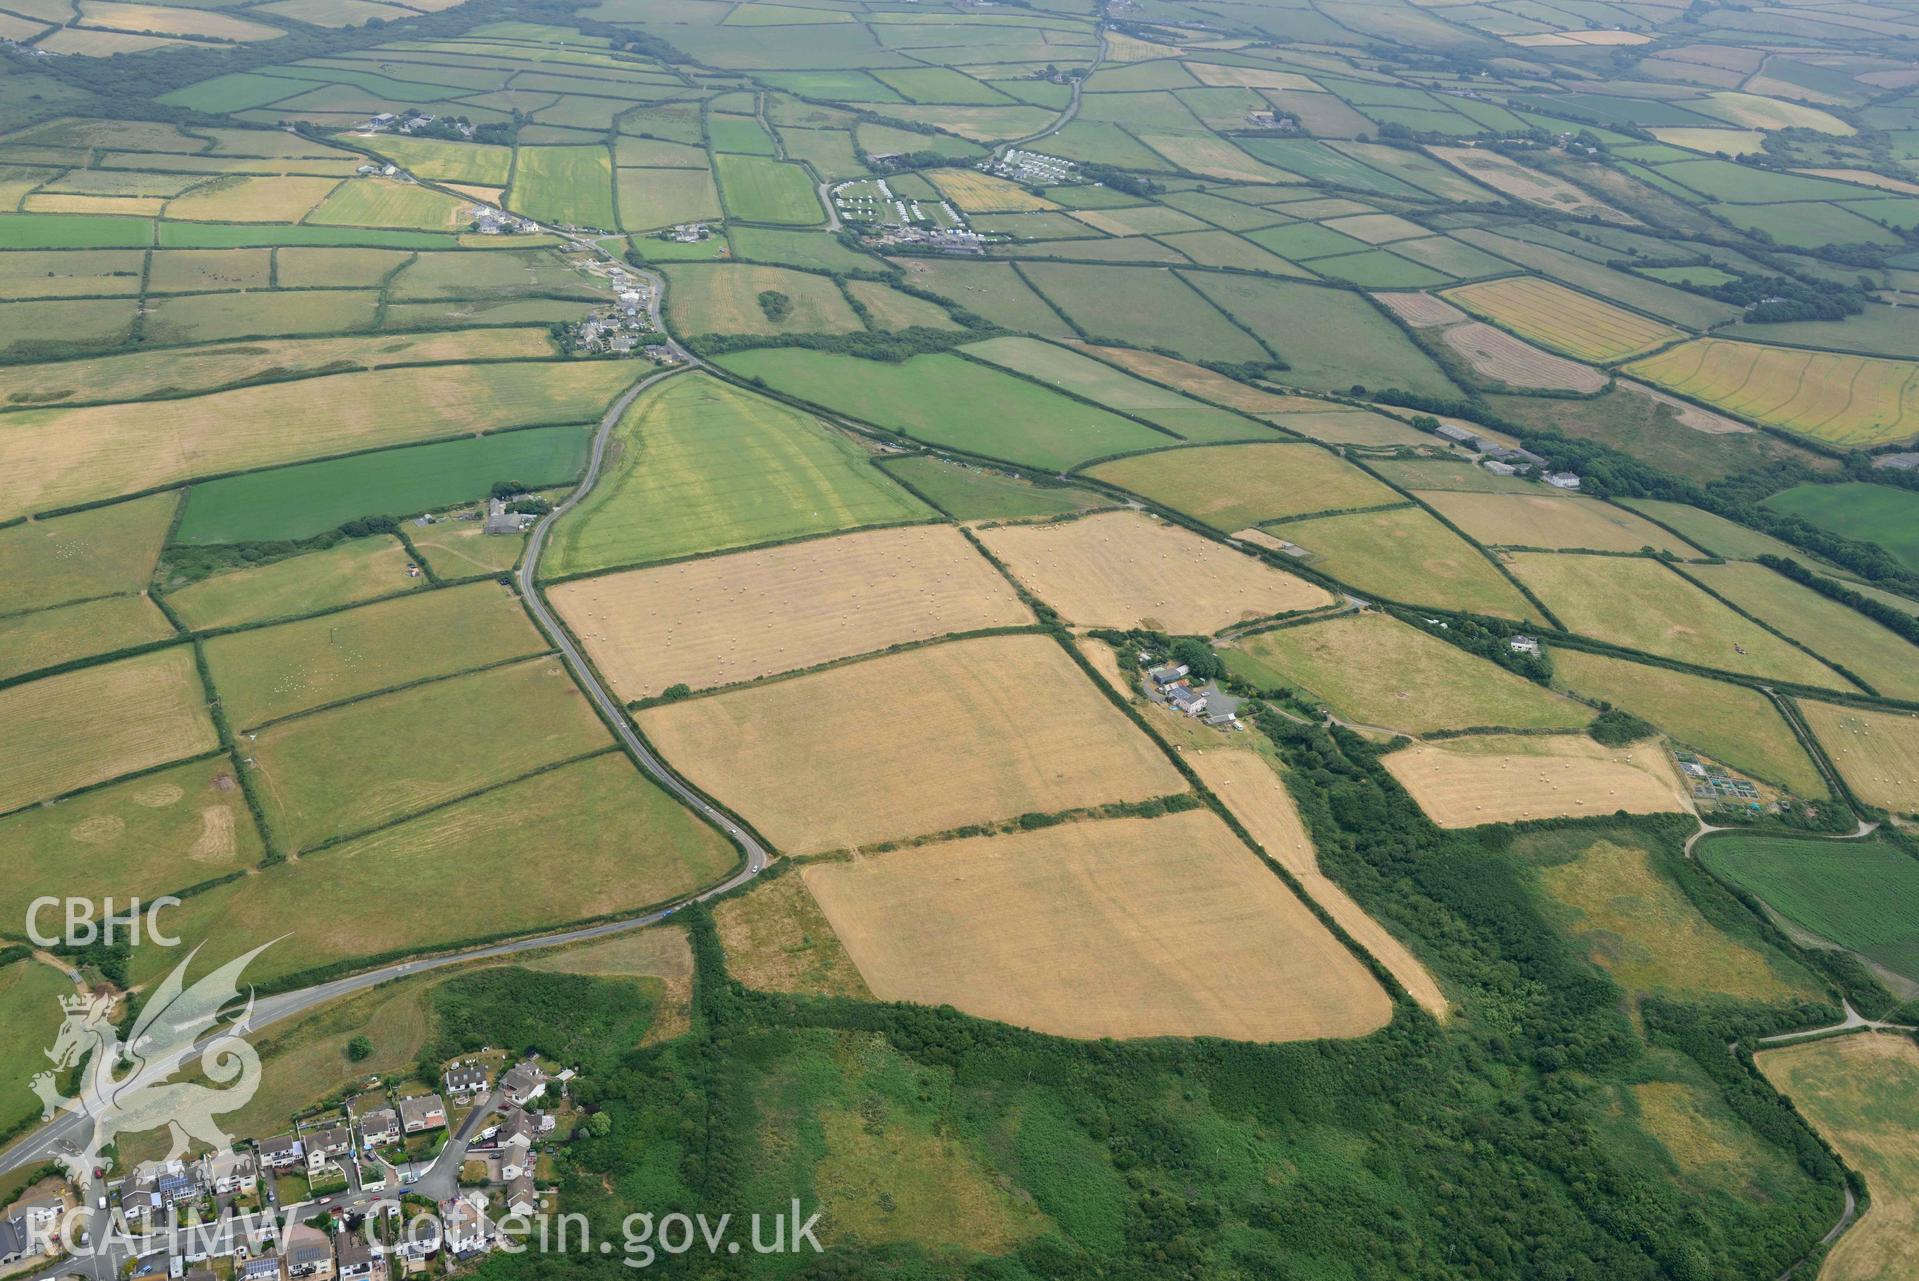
[(70, 1129)]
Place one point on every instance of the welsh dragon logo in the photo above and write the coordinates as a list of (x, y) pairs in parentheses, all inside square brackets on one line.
[(126, 1088)]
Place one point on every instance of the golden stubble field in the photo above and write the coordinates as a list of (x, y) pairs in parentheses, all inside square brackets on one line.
[(1252, 790), (96, 723), (909, 744), (1551, 520), (1123, 928), (1510, 778), (1877, 753), (724, 619), (1850, 400), (1125, 569), (1564, 319)]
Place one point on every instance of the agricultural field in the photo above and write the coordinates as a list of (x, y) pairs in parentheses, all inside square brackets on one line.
[(1563, 319), (51, 638), (778, 940), (1862, 895), (1096, 381), (104, 551), (911, 744), (1862, 1092), (1846, 400), (571, 186), (703, 466), (1875, 752), (1730, 723), (1841, 636), (761, 189), (968, 492), (1372, 669), (1128, 928), (1551, 521), (380, 202), (1404, 554), (356, 570), (1234, 487), (1143, 307), (723, 298), (1875, 513), (1641, 604), (721, 620), (1126, 569), (1504, 778)]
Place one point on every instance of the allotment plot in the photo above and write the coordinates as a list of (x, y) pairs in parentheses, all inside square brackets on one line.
[(718, 620), (1126, 569), (910, 744), (1126, 928)]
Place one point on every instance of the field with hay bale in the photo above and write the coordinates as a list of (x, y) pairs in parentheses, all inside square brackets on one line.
[(267, 673), (97, 723), (1732, 724), (1853, 401), (719, 620), (1861, 1093), (1127, 569), (1405, 555), (1553, 521), (1231, 487), (367, 764), (910, 744), (1125, 928), (1563, 319), (1875, 752), (1642, 604), (1509, 778), (700, 466), (1376, 670)]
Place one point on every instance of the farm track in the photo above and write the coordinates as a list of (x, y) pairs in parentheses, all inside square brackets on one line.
[(37, 1146)]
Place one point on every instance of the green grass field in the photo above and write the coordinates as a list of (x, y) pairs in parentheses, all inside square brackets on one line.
[(1142, 307), (353, 571), (462, 162), (1375, 670), (1863, 895), (760, 189), (1406, 555), (1875, 513), (1232, 487), (947, 400), (571, 186), (296, 502), (272, 672), (616, 842), (720, 298), (381, 202), (1714, 534), (30, 994), (967, 492), (1643, 605), (1875, 654), (994, 291), (99, 552), (1097, 381), (700, 466), (354, 768), (1730, 723), (652, 198)]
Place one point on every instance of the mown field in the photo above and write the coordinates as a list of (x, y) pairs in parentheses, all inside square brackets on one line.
[(1852, 401), (1548, 520), (1126, 569), (761, 189), (1375, 670), (54, 637), (356, 570), (1842, 636), (910, 744), (1862, 895), (572, 186), (1876, 752), (1234, 487), (701, 466), (100, 552), (1499, 778), (1128, 928), (1406, 555)]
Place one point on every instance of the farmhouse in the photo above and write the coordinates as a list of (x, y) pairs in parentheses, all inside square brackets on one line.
[(1169, 674), (425, 1112), (1562, 480), (1186, 699)]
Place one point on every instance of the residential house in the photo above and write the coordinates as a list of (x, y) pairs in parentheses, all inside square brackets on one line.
[(17, 1240), (379, 1126), (264, 1268), (1523, 645), (281, 1152), (326, 1147), (38, 1209), (1562, 480), (465, 1078), (516, 1145), (424, 1112), (353, 1257), (308, 1254), (463, 1223), (230, 1172), (521, 1198), (1186, 699), (522, 1084)]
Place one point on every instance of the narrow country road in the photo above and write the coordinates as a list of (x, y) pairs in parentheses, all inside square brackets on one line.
[(68, 1128)]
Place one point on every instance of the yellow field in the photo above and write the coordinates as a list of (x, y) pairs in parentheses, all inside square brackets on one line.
[(1534, 186), (1877, 655), (1552, 520), (1405, 554), (1734, 142), (1215, 157), (777, 940), (57, 457), (165, 20), (1877, 753), (1125, 569), (240, 199), (909, 744), (724, 298), (87, 726), (50, 637), (81, 203), (1127, 928), (1233, 486), (722, 619), (974, 192), (1498, 778), (1849, 400), (1211, 73), (1249, 787), (1757, 112), (1862, 1093), (100, 552), (357, 570), (1563, 319)]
